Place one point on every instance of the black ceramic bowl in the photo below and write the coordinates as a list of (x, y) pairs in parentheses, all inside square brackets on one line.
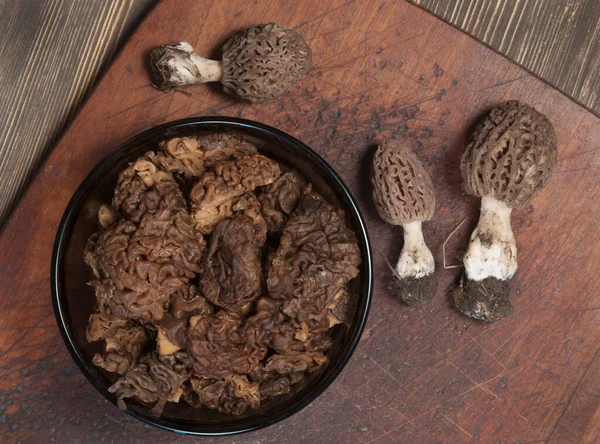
[(74, 300)]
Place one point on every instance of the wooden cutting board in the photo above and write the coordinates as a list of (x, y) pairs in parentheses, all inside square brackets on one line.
[(381, 69)]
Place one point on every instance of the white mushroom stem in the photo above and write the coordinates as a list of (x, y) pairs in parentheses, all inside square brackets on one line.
[(187, 68), (416, 261), (492, 251)]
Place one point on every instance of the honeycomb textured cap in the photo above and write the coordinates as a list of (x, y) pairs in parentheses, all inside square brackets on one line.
[(511, 156), (264, 61), (402, 189)]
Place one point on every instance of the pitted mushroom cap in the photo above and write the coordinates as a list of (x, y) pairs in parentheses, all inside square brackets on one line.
[(402, 189), (511, 156), (264, 61)]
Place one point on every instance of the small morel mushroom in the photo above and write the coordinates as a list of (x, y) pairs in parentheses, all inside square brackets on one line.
[(403, 195), (258, 64), (508, 162)]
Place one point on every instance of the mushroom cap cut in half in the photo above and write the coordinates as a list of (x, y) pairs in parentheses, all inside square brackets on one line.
[(264, 61), (511, 155), (402, 189)]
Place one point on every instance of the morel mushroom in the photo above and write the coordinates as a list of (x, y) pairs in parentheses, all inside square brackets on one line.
[(403, 195), (258, 64), (508, 162)]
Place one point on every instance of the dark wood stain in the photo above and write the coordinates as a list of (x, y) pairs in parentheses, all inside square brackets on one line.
[(556, 40), (418, 375)]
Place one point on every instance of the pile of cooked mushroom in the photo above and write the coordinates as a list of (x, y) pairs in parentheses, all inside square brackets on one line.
[(219, 275)]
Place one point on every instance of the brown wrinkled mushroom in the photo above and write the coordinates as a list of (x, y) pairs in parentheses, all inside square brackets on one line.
[(403, 195), (258, 64), (191, 156), (229, 325), (107, 216), (508, 162), (170, 334), (213, 195)]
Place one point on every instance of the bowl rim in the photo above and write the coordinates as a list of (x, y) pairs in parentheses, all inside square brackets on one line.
[(73, 207)]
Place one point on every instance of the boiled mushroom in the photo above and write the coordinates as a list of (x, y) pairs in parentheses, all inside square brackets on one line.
[(403, 195), (508, 162), (258, 64)]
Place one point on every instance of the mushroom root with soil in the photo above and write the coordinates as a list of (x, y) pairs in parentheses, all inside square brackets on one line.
[(258, 64), (403, 195), (508, 162)]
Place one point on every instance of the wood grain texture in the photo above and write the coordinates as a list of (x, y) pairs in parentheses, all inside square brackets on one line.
[(558, 40), (51, 52), (385, 69)]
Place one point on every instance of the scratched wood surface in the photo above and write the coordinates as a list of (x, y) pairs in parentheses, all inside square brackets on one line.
[(418, 375), (558, 40), (51, 53)]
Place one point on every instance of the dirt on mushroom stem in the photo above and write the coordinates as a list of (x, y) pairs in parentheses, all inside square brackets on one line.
[(403, 195), (415, 291), (486, 300), (509, 160), (492, 250), (416, 260)]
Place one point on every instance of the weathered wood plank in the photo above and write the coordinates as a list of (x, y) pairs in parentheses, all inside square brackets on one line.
[(419, 375), (557, 40), (51, 52)]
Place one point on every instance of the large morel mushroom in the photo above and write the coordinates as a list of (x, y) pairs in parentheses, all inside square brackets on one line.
[(508, 162), (259, 64), (403, 195)]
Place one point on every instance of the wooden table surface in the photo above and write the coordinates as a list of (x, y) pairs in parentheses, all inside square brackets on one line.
[(564, 358), (52, 52)]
